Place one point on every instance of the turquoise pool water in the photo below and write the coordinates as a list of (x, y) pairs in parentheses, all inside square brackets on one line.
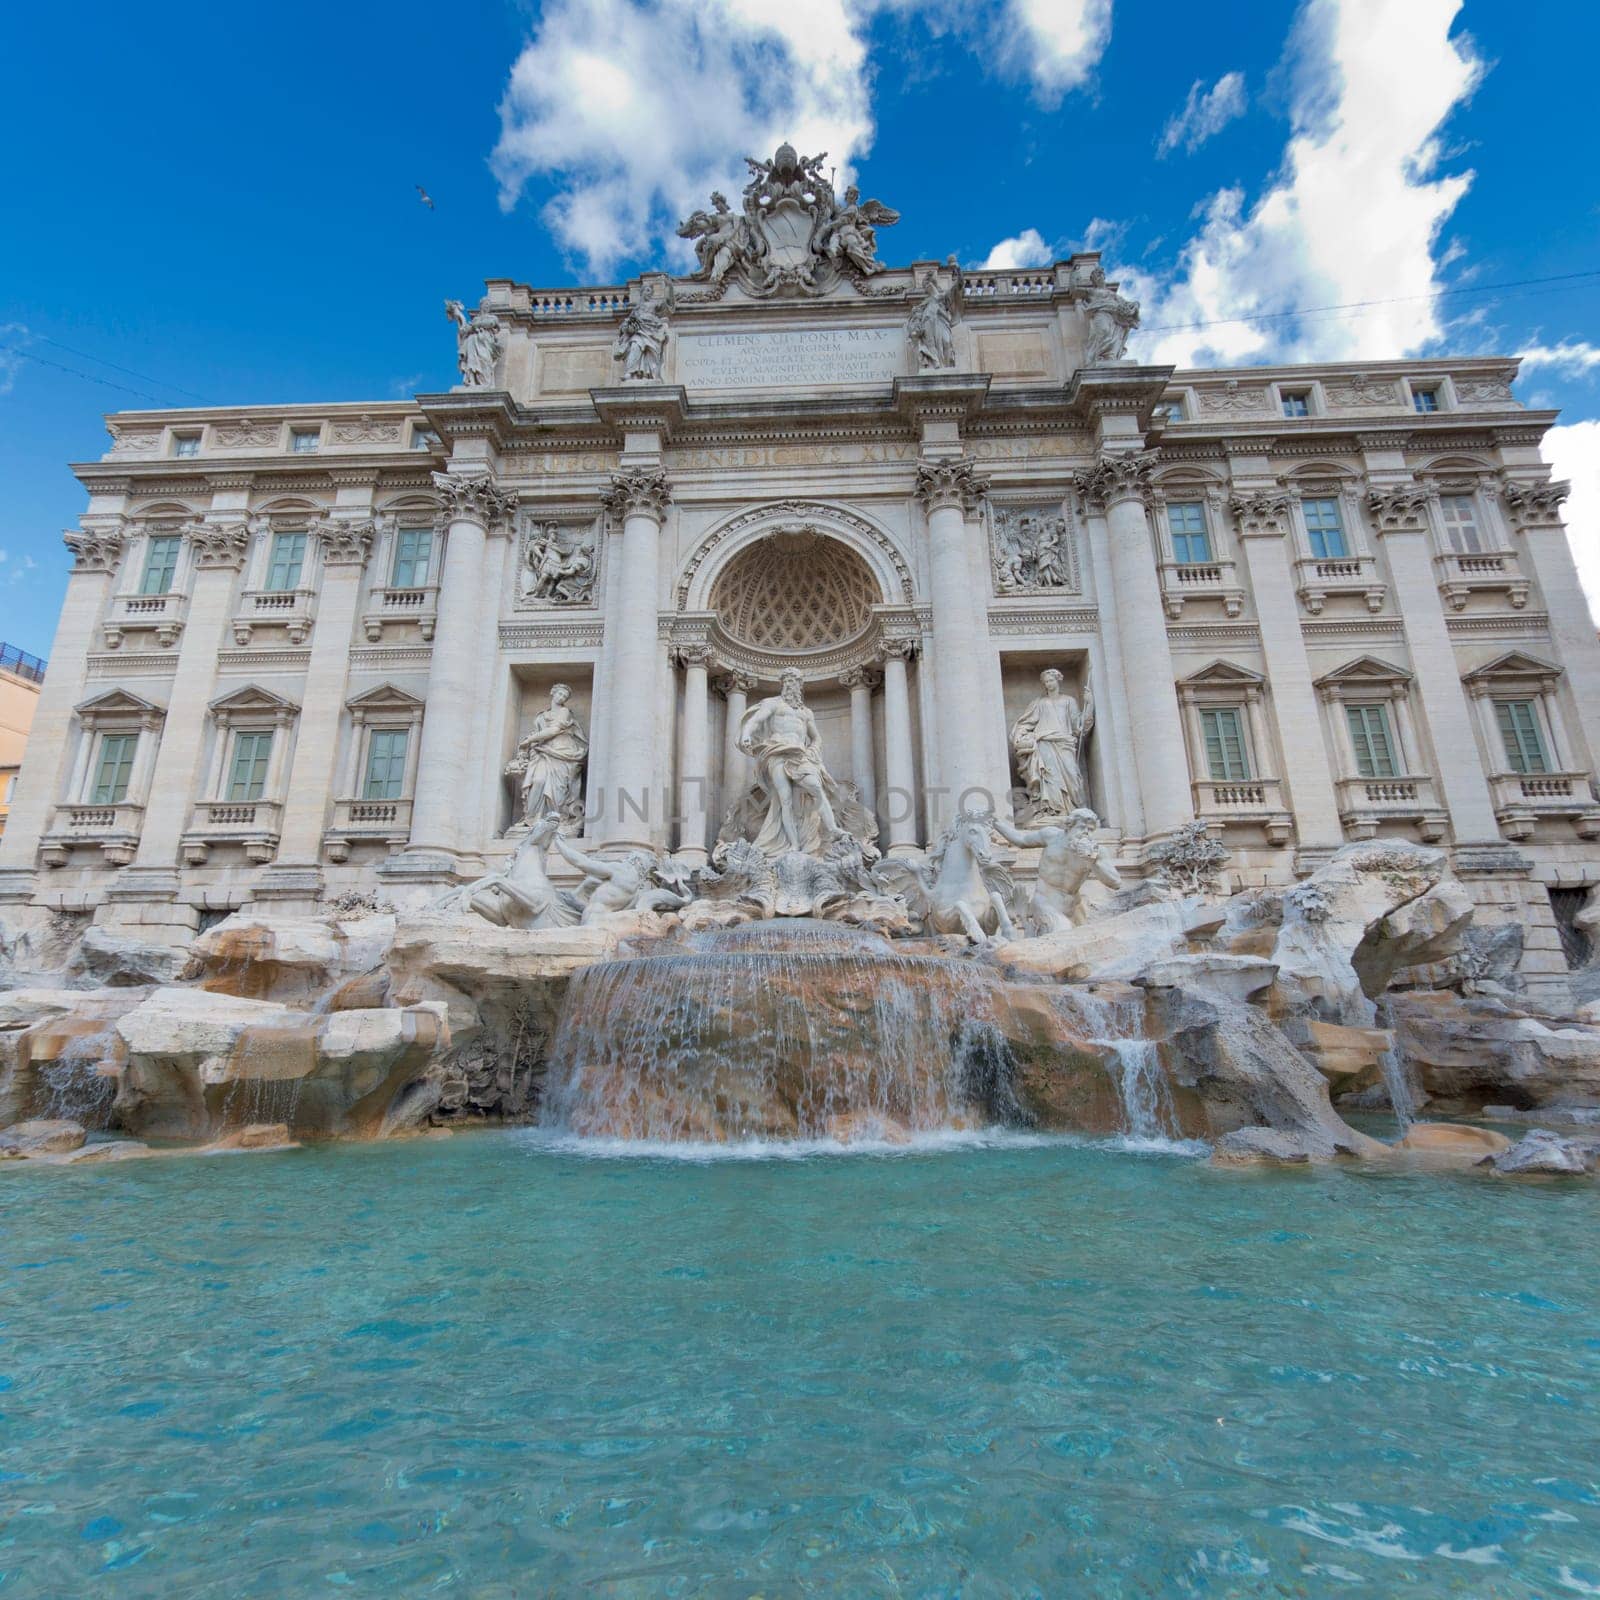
[(488, 1368)]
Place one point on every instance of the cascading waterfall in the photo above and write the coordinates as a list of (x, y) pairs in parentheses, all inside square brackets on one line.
[(1117, 1021), (1403, 1095), (777, 1030), (72, 1086)]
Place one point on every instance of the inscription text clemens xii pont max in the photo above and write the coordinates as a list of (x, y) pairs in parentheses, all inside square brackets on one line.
[(805, 356)]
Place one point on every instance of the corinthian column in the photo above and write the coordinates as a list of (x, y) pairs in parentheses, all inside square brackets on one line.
[(95, 553), (473, 504), (639, 497), (1118, 484), (861, 681), (736, 689), (694, 754), (948, 490), (345, 546), (899, 763)]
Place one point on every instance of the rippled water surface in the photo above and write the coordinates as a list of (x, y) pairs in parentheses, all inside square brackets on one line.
[(488, 1367)]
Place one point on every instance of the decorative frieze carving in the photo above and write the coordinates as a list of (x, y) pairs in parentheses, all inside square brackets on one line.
[(1399, 508), (248, 433), (132, 441), (1114, 478), (1481, 391), (1231, 400), (368, 430), (94, 549), (473, 497), (1361, 391), (950, 483), (1031, 549), (1263, 512), (639, 489), (558, 565)]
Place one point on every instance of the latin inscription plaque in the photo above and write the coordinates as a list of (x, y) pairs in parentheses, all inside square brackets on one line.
[(783, 359)]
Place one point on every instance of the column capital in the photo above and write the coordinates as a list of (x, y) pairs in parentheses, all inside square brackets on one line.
[(1534, 505), (1261, 513), (860, 678), (344, 543), (219, 544), (639, 489), (473, 497), (692, 653), (745, 683), (1398, 508), (950, 483), (94, 549), (1124, 475), (900, 647)]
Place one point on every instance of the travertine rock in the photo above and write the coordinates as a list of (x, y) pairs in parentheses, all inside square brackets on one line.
[(1451, 1138), (1349, 1058), (117, 960), (41, 1138), (1119, 945), (289, 959), (1542, 1153)]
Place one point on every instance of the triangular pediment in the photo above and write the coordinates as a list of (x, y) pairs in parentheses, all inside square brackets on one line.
[(117, 702), (1513, 664), (1364, 669), (1223, 675), (253, 698), (386, 697)]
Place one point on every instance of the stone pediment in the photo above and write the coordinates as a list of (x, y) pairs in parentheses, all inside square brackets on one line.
[(1365, 670), (252, 698), (117, 705), (386, 697), (1224, 675), (1514, 664)]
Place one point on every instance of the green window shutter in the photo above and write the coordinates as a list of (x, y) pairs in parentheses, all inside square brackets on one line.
[(412, 552), (1226, 759), (1369, 737), (386, 765), (1186, 521), (1519, 729), (288, 556), (1325, 528), (160, 564), (114, 769), (248, 776)]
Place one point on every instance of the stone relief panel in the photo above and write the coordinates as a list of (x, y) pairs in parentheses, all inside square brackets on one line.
[(1033, 549), (248, 433), (1231, 400), (574, 369), (1482, 391), (1359, 391), (368, 430), (559, 564)]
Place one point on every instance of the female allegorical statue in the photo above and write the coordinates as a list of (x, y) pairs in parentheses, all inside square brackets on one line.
[(1048, 740), (550, 760)]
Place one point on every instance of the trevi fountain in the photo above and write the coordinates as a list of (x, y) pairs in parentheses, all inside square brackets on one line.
[(1042, 1202)]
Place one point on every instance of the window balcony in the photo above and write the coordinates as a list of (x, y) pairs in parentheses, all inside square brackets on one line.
[(112, 829), (253, 824), (1257, 802), (1494, 571), (419, 605), (161, 614), (1365, 803), (1523, 798), (386, 822), (292, 609), (1182, 581), (1320, 576)]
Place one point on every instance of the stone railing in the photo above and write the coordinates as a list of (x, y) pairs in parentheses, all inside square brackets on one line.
[(1008, 285), (578, 302), (1364, 803), (1317, 577), (161, 614), (378, 821), (1182, 581), (1258, 801), (1521, 798), (419, 605), (1460, 576), (114, 829), (292, 609), (254, 824)]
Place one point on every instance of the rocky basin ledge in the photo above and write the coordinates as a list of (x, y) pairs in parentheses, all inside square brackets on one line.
[(1270, 1012)]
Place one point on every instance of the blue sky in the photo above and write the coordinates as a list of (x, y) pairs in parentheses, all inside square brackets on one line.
[(204, 211)]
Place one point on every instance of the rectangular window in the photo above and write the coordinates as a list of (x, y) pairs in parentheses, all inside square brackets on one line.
[(186, 444), (1325, 529), (1460, 514), (113, 769), (1177, 410), (247, 777), (1226, 759), (1297, 405), (413, 549), (1424, 399), (1186, 521), (160, 564), (386, 765), (424, 439), (288, 556), (1519, 728), (304, 441), (1369, 737)]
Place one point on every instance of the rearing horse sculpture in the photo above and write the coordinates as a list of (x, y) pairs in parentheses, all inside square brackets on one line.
[(957, 887)]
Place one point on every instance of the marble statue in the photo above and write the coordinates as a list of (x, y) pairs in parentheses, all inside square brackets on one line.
[(549, 762), (619, 884), (1112, 317), (956, 886), (931, 329), (1071, 856), (1029, 549), (478, 344), (522, 896), (793, 803), (794, 236), (1048, 741), (560, 572), (642, 339)]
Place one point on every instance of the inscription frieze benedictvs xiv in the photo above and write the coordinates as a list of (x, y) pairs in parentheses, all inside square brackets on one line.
[(793, 234)]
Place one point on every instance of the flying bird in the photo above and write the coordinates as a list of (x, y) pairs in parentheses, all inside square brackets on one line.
[(424, 196)]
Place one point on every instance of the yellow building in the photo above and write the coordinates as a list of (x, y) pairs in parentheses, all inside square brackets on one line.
[(20, 677)]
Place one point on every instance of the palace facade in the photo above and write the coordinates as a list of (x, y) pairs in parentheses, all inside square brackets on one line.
[(303, 646)]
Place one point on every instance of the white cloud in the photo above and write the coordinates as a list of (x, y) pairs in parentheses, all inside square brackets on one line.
[(1027, 249), (1573, 451), (1205, 113), (15, 335), (640, 108), (1574, 357), (1354, 212)]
